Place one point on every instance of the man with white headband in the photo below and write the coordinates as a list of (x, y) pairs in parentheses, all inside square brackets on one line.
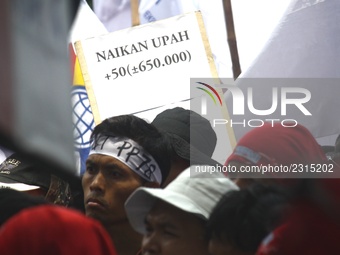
[(126, 153)]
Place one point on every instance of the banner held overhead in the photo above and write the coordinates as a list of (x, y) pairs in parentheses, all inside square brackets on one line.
[(147, 66)]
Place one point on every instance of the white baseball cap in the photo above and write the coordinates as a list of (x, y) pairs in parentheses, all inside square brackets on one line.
[(194, 191)]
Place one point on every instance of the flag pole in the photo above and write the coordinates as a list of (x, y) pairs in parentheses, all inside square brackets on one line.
[(135, 13), (229, 21)]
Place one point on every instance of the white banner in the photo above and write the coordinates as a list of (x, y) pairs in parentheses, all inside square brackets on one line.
[(116, 15), (146, 67)]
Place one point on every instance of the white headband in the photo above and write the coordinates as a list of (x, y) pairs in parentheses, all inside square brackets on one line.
[(129, 153)]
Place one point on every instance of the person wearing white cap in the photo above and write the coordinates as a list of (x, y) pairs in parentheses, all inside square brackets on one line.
[(126, 153), (172, 220)]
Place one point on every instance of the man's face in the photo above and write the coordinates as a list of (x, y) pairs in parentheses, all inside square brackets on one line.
[(107, 183), (170, 230)]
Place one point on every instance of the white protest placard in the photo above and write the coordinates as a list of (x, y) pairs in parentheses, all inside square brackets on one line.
[(146, 67), (143, 67)]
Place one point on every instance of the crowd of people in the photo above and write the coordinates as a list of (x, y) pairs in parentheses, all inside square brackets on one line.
[(154, 188), (146, 191)]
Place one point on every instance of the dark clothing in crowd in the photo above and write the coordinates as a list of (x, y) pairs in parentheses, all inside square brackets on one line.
[(12, 202)]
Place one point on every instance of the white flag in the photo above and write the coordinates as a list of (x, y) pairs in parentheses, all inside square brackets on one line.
[(303, 51)]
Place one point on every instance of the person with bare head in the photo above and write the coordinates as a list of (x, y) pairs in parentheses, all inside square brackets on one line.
[(126, 153), (243, 218)]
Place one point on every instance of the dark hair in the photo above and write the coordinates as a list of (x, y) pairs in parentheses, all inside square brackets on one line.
[(143, 133), (13, 201), (245, 217)]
